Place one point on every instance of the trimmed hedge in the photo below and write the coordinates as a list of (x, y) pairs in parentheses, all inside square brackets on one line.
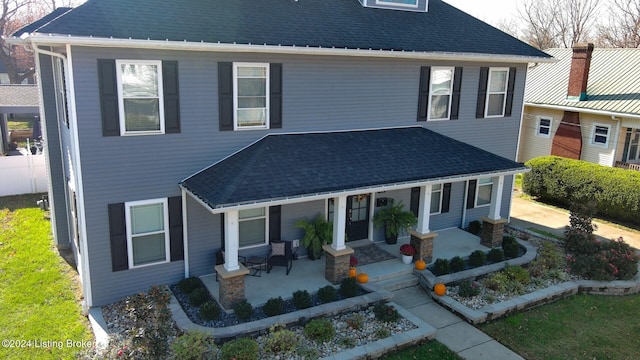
[(616, 192)]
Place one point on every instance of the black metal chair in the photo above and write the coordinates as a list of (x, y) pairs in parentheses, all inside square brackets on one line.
[(280, 254), (220, 260)]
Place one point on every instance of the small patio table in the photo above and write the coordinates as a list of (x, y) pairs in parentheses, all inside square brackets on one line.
[(257, 264)]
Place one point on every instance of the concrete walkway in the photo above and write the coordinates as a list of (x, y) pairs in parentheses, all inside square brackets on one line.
[(459, 336), (528, 214)]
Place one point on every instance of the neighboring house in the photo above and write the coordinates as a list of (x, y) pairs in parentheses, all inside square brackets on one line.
[(16, 99), (175, 129), (586, 106), (4, 76)]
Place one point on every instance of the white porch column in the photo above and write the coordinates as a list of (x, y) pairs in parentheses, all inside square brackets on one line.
[(496, 197), (339, 222), (424, 209), (231, 240)]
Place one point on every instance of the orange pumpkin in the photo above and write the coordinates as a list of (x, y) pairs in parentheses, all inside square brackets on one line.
[(362, 278), (440, 289), (352, 272), (421, 264)]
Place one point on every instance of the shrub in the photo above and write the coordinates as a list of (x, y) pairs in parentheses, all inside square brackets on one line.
[(441, 267), (199, 296), (273, 307), (548, 260), (193, 345), (518, 274), (356, 321), (382, 333), (243, 310), (210, 310), (151, 319), (281, 341), (615, 191), (307, 352), (349, 287), (347, 342), (510, 247), (468, 289), (495, 255), (475, 227), (189, 284), (327, 294), (496, 281), (456, 264), (320, 330), (302, 299), (386, 313), (622, 259), (477, 258), (578, 236), (240, 349)]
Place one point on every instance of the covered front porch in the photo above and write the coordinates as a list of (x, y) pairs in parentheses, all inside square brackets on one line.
[(309, 274)]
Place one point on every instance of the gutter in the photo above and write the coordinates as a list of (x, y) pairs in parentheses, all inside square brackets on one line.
[(583, 110), (57, 39)]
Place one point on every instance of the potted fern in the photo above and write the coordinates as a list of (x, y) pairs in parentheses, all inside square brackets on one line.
[(317, 232), (395, 220)]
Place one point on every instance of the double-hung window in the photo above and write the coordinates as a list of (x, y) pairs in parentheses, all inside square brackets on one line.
[(436, 199), (147, 232), (251, 95), (483, 195), (496, 92), (600, 135), (252, 227), (441, 89), (140, 97), (633, 151), (544, 127)]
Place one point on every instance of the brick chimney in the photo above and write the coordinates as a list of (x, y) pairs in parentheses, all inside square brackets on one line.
[(579, 75)]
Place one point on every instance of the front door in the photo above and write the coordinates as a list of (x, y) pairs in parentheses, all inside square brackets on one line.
[(357, 217)]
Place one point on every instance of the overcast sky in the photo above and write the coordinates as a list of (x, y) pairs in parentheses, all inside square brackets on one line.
[(489, 11)]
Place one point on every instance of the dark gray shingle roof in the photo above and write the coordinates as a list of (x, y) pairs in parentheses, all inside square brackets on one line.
[(314, 23), (295, 165)]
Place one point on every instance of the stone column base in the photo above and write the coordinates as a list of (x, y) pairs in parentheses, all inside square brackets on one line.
[(423, 243), (336, 263), (492, 232), (231, 288)]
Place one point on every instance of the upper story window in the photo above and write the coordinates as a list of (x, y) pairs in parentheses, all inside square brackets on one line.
[(441, 88), (600, 135), (544, 127), (497, 92), (147, 232), (407, 3), (140, 97), (251, 95), (252, 227)]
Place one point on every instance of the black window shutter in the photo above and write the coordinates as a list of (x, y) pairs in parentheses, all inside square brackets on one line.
[(222, 230), (627, 140), (455, 96), (275, 217), (171, 97), (108, 97), (423, 93), (471, 194), (446, 197), (175, 228), (510, 87), (118, 237), (482, 92), (275, 96), (414, 206), (225, 96)]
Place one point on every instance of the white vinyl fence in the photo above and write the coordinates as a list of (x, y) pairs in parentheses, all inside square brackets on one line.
[(22, 174)]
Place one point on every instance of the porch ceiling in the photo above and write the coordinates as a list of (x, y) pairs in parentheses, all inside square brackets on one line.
[(284, 166)]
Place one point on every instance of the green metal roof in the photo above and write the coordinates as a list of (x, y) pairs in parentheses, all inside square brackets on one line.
[(613, 85)]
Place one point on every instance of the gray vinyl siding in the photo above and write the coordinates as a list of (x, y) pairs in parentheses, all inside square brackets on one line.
[(319, 94), (204, 238), (479, 212)]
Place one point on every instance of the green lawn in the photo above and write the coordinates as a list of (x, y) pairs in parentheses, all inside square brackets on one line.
[(39, 297), (432, 350), (579, 327), (19, 124)]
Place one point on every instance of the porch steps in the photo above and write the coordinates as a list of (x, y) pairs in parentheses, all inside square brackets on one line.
[(397, 282)]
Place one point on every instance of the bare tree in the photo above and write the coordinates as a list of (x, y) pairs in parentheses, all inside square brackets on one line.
[(553, 23), (623, 29)]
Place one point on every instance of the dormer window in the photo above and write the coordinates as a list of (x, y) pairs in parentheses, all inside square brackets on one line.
[(408, 3)]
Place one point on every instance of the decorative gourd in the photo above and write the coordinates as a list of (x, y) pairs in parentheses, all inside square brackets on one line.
[(440, 289), (352, 272), (362, 278), (421, 264)]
